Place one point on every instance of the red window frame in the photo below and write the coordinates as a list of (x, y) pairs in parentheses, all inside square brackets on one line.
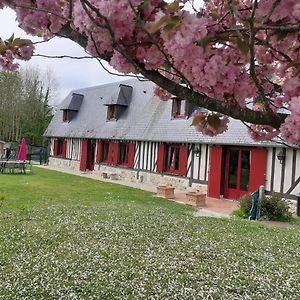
[(66, 115), (123, 155), (105, 151), (177, 164), (178, 111), (111, 112), (172, 159), (60, 148)]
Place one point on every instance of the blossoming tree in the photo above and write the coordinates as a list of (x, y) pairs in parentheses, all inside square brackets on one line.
[(237, 58)]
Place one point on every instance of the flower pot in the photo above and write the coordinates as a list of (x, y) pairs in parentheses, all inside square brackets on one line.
[(196, 198), (165, 191)]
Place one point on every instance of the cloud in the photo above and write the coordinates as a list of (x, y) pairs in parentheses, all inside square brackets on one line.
[(69, 73)]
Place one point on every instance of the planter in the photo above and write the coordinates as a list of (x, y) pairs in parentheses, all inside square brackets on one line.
[(114, 176), (165, 191), (104, 175), (196, 198)]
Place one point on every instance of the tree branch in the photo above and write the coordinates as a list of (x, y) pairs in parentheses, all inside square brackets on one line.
[(255, 117)]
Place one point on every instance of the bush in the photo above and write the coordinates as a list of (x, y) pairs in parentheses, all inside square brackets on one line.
[(272, 208), (246, 204), (275, 208)]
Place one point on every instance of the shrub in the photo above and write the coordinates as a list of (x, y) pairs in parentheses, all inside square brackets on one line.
[(272, 208), (246, 204), (275, 208)]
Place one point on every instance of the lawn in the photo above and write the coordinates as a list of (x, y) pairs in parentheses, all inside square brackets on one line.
[(68, 237)]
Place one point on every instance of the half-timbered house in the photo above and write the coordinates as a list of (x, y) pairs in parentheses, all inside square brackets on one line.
[(125, 130)]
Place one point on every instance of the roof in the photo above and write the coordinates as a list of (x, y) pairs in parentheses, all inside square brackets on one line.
[(121, 97), (147, 118), (74, 103)]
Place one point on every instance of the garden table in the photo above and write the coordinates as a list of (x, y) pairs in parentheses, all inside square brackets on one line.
[(12, 166)]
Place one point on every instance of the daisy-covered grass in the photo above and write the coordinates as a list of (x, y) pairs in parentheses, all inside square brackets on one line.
[(68, 237)]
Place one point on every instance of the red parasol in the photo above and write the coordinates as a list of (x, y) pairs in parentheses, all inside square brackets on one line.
[(22, 153)]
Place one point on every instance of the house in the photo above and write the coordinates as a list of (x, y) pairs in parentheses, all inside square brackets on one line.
[(124, 129)]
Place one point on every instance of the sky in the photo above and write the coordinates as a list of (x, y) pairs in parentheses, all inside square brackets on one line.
[(70, 74)]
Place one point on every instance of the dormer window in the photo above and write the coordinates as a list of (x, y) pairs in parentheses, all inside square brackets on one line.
[(66, 115), (71, 108), (111, 112), (118, 102), (179, 108)]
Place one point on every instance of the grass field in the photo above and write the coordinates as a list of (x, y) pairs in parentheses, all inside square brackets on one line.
[(67, 237)]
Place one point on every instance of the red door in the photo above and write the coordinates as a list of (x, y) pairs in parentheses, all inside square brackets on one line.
[(87, 155), (215, 172), (237, 173)]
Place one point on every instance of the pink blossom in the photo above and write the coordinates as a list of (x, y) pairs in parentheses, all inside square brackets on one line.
[(162, 94), (205, 128), (296, 11), (120, 63), (26, 52), (262, 132), (153, 58), (186, 47), (291, 87)]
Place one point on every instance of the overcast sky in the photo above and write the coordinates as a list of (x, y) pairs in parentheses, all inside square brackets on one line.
[(69, 73)]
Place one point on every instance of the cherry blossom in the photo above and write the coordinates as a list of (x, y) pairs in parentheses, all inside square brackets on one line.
[(222, 57)]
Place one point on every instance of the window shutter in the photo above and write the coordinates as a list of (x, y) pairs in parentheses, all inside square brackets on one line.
[(64, 148), (215, 171), (55, 147), (83, 155), (98, 155), (131, 155), (183, 159), (258, 164), (174, 107), (110, 153), (160, 158), (115, 158)]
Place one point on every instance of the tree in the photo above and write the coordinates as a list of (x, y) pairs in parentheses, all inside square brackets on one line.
[(24, 108), (236, 58)]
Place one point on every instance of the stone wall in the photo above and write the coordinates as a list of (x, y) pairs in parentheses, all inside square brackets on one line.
[(64, 163), (129, 175), (155, 179)]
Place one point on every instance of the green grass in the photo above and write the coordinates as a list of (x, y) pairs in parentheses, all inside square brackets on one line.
[(67, 237)]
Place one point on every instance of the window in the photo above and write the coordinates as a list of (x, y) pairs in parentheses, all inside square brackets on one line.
[(123, 154), (172, 158), (59, 147), (172, 155), (111, 112), (179, 108), (66, 115), (104, 152)]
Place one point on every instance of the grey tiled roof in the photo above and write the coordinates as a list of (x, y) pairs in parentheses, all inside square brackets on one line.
[(147, 118), (74, 103), (122, 97)]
